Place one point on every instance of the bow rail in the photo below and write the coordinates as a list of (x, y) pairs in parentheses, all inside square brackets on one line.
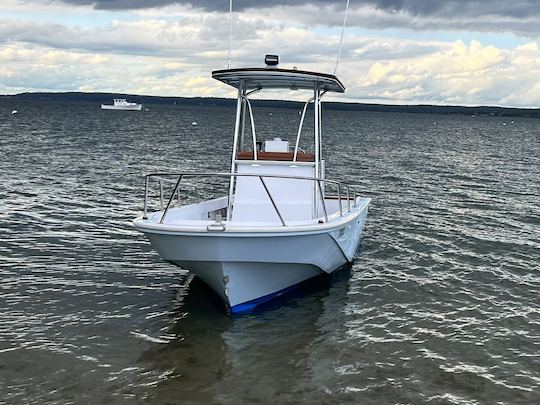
[(350, 194)]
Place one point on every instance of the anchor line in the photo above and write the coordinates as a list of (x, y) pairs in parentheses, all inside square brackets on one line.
[(230, 34), (341, 37)]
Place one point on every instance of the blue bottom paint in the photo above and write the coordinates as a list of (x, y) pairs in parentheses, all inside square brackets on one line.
[(306, 286), (248, 306)]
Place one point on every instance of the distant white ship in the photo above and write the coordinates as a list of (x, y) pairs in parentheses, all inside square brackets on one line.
[(122, 104)]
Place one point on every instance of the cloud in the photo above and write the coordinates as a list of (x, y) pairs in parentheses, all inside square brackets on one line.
[(457, 73), (143, 37), (172, 50), (489, 18), (423, 8), (520, 17), (29, 68), (516, 8)]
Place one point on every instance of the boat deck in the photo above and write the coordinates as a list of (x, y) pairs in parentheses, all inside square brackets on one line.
[(207, 216)]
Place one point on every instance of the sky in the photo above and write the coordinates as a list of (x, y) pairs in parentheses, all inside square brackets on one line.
[(449, 52)]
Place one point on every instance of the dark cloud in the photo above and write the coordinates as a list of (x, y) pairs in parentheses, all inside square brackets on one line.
[(426, 8), (460, 8), (208, 5)]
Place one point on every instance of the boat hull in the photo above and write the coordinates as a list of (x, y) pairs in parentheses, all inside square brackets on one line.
[(137, 107), (248, 268)]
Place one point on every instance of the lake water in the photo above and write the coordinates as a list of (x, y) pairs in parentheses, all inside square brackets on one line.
[(442, 304)]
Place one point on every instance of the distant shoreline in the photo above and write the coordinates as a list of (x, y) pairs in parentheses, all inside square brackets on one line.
[(225, 102)]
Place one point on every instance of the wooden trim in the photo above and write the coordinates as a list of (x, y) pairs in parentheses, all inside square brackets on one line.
[(277, 156)]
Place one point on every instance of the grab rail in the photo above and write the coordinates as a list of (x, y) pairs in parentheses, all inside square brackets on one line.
[(300, 126), (252, 121), (183, 175), (296, 146)]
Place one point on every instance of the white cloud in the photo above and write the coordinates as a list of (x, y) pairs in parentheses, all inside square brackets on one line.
[(151, 53), (457, 73)]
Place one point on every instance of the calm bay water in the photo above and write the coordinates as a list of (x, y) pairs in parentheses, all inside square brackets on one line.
[(442, 304)]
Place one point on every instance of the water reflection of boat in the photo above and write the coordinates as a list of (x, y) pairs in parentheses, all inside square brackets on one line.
[(216, 359), (282, 221)]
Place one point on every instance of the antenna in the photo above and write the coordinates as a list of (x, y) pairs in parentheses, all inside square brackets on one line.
[(230, 34), (341, 38)]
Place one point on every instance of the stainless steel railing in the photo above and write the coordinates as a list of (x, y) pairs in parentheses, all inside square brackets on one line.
[(317, 182)]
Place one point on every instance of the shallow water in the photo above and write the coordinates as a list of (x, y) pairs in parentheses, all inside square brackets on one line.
[(441, 305)]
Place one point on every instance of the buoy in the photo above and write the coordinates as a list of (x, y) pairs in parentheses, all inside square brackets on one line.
[(194, 124), (14, 112)]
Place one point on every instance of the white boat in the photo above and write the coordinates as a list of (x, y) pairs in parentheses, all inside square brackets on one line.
[(122, 104), (281, 222)]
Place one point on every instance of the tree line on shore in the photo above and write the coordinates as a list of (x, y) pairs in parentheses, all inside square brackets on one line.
[(104, 98)]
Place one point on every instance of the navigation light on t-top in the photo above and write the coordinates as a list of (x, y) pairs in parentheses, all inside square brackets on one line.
[(271, 60)]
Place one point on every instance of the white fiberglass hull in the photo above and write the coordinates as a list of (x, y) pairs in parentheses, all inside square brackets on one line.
[(246, 267), (136, 107)]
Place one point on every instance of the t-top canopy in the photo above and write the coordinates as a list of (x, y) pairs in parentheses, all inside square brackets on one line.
[(272, 78)]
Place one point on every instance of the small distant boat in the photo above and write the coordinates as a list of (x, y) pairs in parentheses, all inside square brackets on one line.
[(14, 112), (122, 104)]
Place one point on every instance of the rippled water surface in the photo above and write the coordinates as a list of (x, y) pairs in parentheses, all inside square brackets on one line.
[(442, 304)]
